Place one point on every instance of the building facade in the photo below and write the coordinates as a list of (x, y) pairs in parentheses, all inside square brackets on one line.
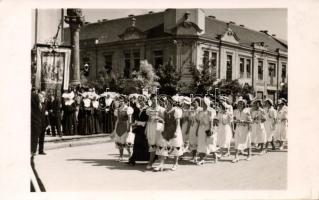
[(188, 38)]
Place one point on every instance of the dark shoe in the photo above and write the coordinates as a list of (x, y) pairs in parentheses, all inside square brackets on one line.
[(42, 153), (131, 163)]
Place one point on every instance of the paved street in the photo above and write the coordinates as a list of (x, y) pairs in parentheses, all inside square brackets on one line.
[(94, 168)]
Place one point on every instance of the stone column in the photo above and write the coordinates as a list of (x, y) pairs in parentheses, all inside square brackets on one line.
[(75, 20)]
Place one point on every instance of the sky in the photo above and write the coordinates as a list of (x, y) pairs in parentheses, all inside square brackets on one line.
[(273, 20)]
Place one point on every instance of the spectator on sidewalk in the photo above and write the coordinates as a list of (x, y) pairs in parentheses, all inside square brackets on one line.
[(54, 108), (43, 116)]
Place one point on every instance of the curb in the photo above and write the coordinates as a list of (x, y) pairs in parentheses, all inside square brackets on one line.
[(57, 143)]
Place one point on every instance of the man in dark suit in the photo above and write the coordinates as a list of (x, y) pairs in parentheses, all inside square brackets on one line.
[(54, 107), (44, 115), (36, 125)]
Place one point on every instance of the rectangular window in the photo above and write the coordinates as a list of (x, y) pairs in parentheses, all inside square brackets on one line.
[(127, 67), (272, 69), (158, 59), (206, 58), (108, 61), (283, 73), (136, 57), (248, 68), (260, 95), (241, 67), (229, 66), (260, 70), (213, 59)]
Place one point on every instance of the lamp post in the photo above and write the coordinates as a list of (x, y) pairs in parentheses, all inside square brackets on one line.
[(96, 42), (75, 20)]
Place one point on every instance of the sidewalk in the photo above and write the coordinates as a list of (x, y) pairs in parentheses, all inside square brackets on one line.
[(57, 142)]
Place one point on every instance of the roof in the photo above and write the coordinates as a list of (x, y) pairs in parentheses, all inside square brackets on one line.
[(153, 25)]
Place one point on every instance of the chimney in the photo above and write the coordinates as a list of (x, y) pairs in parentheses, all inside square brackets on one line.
[(264, 31), (133, 20), (241, 25), (231, 22), (212, 17), (150, 12), (131, 15)]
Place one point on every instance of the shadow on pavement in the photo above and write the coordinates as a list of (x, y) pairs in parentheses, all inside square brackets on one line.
[(112, 164)]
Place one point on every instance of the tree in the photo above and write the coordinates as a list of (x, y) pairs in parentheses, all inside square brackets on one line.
[(146, 77), (204, 78), (233, 88), (169, 79)]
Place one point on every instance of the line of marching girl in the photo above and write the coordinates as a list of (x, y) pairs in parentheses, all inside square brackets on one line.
[(152, 129)]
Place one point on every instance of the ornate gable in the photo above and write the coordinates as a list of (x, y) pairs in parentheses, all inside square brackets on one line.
[(132, 33), (187, 27), (230, 36)]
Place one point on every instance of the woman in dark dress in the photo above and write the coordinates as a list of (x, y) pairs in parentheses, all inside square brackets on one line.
[(96, 118), (140, 118), (86, 128), (108, 115), (69, 109)]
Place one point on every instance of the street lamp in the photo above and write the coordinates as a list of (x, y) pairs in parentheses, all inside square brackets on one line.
[(96, 57)]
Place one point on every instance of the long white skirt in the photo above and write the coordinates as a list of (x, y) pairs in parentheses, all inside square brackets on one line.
[(259, 133), (281, 131), (193, 137), (173, 147), (224, 135), (242, 137), (120, 141), (206, 144), (152, 135), (270, 131)]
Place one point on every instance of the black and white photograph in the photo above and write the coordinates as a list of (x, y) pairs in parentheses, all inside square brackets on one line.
[(159, 100), (155, 97)]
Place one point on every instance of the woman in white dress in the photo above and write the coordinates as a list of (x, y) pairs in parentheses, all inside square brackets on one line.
[(206, 142), (282, 123), (170, 142), (258, 115), (185, 122), (122, 124), (225, 118), (270, 123), (154, 127), (243, 120), (195, 109)]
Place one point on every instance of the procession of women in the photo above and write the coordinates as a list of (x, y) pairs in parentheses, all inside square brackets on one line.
[(155, 128)]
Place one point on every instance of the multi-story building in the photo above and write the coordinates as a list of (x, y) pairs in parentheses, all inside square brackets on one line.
[(188, 38)]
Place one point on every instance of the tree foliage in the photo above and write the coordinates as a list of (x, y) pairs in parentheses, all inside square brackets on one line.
[(204, 78), (169, 79)]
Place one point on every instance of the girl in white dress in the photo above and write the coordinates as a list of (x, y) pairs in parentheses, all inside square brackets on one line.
[(154, 127), (270, 123), (124, 115), (258, 115), (195, 109), (243, 120), (225, 117), (282, 123), (170, 142), (206, 135)]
